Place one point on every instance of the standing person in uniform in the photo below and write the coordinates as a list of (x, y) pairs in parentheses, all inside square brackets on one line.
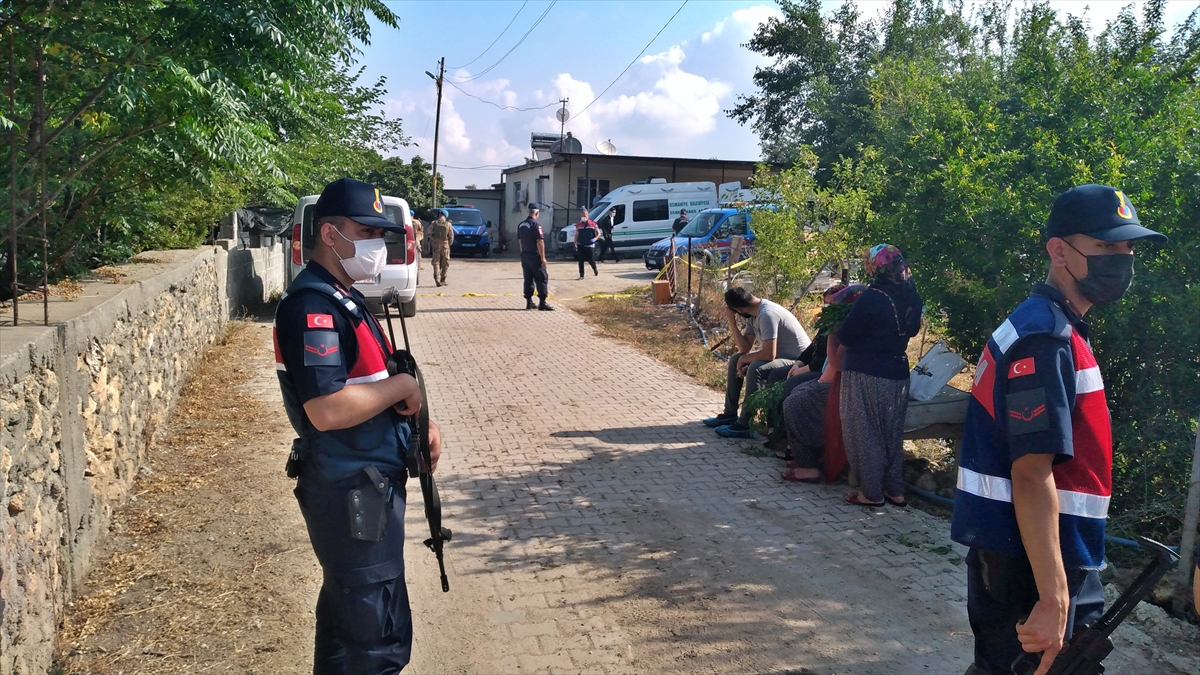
[(418, 237), (606, 229), (1035, 475), (533, 260), (330, 356), (442, 233), (680, 222), (586, 233)]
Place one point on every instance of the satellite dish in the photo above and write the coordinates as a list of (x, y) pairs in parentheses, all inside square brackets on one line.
[(562, 114), (607, 148)]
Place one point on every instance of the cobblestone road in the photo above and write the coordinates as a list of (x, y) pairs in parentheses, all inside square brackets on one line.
[(600, 528)]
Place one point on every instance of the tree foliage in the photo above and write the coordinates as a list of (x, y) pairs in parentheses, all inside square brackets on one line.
[(133, 123), (965, 127), (412, 181)]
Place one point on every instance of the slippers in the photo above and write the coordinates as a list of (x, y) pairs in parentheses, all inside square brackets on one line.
[(791, 476), (900, 503), (783, 454), (853, 498)]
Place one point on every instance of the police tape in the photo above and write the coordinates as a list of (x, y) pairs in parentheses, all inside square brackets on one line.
[(693, 265), (464, 295)]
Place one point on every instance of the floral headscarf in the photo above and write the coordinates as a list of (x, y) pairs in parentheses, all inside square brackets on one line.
[(889, 274)]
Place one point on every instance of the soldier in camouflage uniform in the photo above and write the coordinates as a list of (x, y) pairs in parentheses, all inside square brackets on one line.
[(442, 234)]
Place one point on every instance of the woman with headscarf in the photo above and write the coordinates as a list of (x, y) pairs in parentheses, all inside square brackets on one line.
[(874, 398), (804, 408)]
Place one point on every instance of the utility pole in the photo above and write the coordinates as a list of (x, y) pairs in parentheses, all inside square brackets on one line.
[(562, 121), (437, 124)]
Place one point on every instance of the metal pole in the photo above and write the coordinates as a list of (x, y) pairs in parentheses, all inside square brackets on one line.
[(689, 260), (437, 126), (587, 180), (1191, 513), (12, 180)]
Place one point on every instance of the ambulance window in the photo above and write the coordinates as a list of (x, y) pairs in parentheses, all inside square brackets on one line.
[(650, 209)]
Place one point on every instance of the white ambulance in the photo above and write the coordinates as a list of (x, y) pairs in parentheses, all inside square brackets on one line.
[(644, 211)]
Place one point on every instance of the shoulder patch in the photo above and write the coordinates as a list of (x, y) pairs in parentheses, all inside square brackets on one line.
[(322, 348), (1021, 367), (320, 321), (1027, 412)]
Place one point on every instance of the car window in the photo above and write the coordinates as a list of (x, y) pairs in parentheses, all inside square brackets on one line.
[(620, 211), (734, 225), (308, 236), (650, 209), (700, 225)]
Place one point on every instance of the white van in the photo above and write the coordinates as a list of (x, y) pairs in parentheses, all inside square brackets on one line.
[(400, 272), (644, 211)]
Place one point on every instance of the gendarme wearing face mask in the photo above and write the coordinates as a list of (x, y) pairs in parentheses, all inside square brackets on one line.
[(1036, 457)]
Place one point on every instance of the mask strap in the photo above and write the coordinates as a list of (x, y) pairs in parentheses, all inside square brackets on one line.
[(1085, 257)]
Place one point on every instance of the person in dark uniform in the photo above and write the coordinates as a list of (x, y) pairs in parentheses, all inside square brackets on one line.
[(533, 260), (586, 233), (330, 356), (680, 222), (1035, 476), (606, 231)]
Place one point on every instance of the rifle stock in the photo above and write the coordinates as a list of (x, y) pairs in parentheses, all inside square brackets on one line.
[(1084, 652)]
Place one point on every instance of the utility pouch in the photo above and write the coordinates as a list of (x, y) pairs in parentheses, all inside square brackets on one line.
[(295, 461), (1008, 579), (368, 507)]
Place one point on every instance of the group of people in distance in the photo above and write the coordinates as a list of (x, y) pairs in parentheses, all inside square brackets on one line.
[(860, 343)]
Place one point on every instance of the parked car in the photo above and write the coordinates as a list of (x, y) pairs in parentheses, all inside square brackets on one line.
[(711, 232), (401, 269), (644, 211), (470, 231)]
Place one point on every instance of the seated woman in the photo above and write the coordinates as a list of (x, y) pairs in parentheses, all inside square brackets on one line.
[(812, 360), (874, 397), (804, 408)]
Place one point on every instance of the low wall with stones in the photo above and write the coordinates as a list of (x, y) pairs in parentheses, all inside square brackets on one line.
[(80, 402)]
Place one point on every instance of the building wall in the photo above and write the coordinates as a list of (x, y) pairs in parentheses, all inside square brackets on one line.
[(80, 403)]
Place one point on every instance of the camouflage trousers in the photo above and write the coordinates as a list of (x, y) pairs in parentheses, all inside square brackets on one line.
[(441, 261)]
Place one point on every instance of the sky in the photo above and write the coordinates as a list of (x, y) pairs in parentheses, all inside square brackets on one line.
[(670, 102)]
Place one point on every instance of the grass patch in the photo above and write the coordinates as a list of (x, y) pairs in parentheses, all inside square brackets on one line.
[(664, 333)]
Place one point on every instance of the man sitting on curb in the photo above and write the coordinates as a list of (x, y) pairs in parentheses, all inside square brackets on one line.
[(781, 341)]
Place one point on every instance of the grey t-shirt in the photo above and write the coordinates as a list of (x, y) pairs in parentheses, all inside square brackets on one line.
[(776, 323)]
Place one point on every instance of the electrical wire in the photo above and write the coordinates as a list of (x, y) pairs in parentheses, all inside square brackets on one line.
[(489, 69), (487, 167), (635, 59), (510, 23), (502, 107)]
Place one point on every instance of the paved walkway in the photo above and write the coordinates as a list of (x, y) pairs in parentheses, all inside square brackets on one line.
[(600, 528)]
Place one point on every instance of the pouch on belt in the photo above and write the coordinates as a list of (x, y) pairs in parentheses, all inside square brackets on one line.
[(368, 507)]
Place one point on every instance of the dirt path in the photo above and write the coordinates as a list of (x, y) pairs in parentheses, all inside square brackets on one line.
[(598, 527)]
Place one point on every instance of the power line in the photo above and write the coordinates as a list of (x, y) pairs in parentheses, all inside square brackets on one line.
[(510, 23), (487, 167), (487, 70), (502, 107), (635, 59)]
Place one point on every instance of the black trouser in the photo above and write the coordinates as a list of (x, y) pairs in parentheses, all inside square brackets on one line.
[(606, 246), (535, 275), (586, 254), (1001, 592)]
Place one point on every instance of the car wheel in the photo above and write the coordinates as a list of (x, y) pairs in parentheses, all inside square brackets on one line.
[(409, 309)]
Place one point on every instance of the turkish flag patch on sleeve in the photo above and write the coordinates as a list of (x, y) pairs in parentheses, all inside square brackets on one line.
[(1021, 367), (320, 321)]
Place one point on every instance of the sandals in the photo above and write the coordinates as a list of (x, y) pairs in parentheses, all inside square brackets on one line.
[(790, 476), (900, 503), (853, 498)]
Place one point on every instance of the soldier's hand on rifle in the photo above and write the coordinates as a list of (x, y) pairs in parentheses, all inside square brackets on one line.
[(435, 446), (408, 393), (1044, 629)]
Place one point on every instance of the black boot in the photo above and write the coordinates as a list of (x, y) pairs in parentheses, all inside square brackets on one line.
[(542, 306), (529, 303)]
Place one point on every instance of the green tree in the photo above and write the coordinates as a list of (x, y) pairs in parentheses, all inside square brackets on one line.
[(114, 109), (412, 181)]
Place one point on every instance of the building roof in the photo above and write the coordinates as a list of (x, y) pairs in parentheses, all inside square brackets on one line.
[(693, 161)]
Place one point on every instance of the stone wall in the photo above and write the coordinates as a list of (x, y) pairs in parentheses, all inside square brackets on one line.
[(80, 403), (261, 273)]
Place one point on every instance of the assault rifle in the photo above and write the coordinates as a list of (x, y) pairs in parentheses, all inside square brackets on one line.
[(418, 460), (1083, 653)]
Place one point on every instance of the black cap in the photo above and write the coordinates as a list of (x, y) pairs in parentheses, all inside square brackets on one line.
[(356, 200), (1100, 212), (533, 206)]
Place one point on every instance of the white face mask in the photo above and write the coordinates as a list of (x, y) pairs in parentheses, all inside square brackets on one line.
[(370, 255)]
